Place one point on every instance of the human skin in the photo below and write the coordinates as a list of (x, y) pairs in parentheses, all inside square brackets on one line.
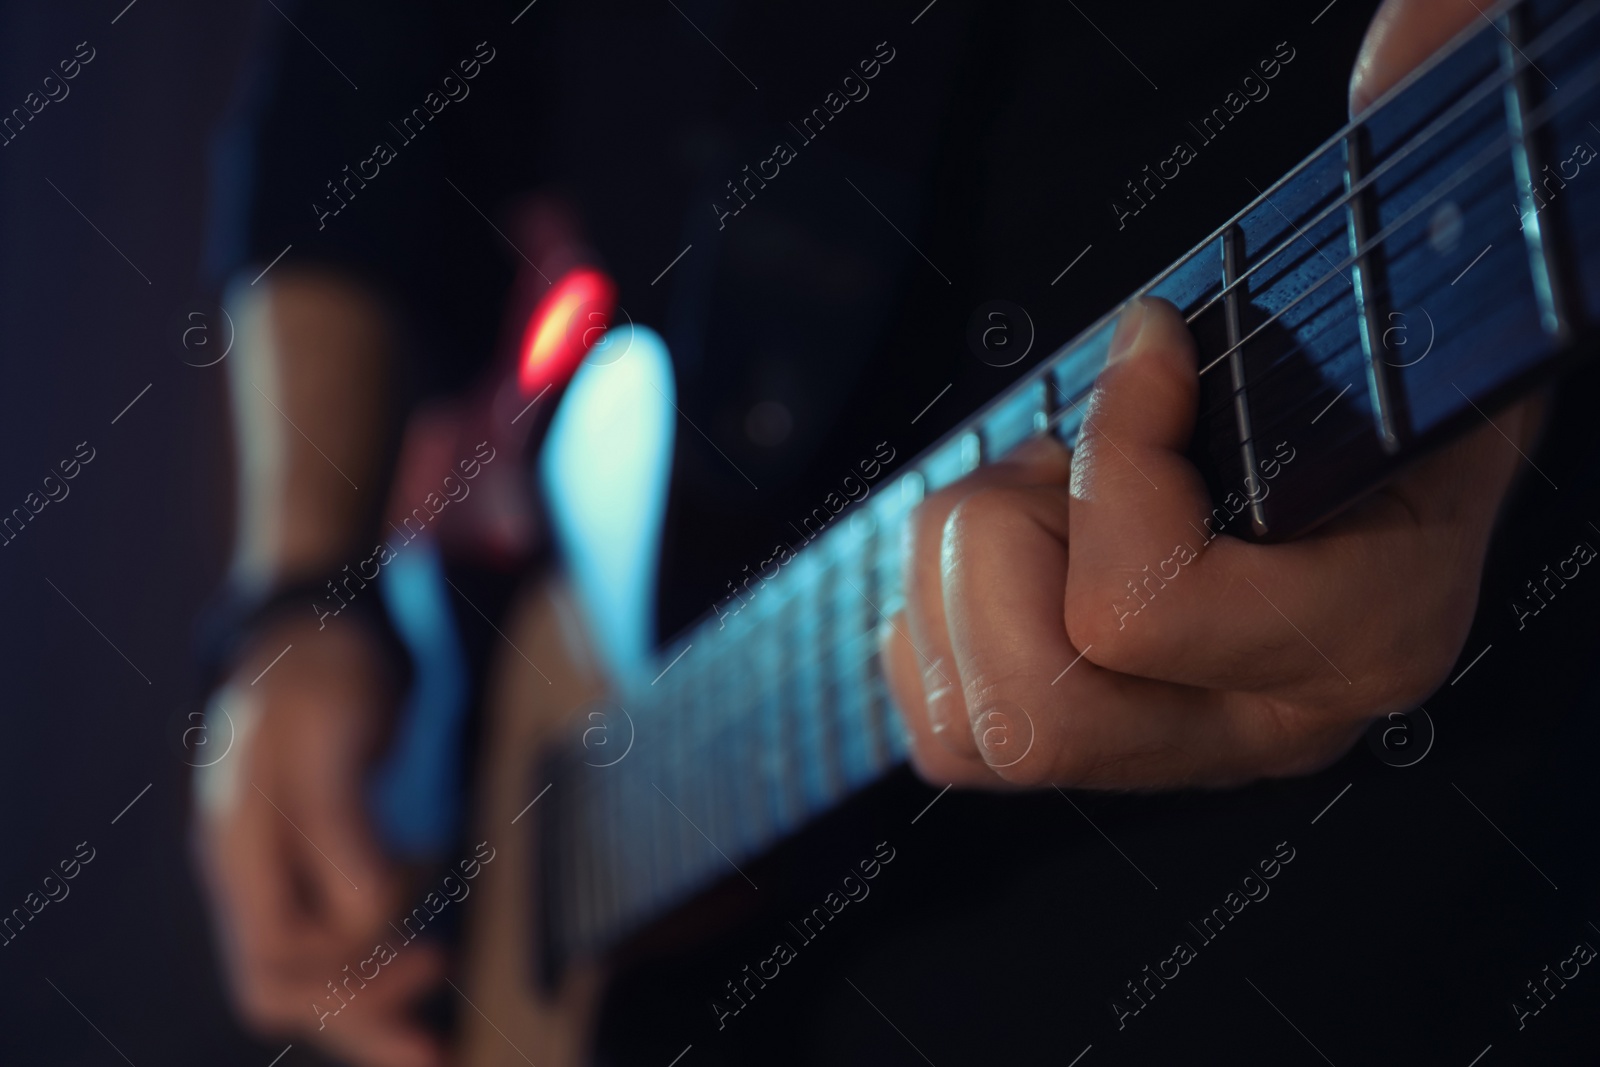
[(1255, 660), (1011, 574)]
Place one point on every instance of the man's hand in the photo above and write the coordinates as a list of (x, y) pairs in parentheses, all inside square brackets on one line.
[(299, 888), (1012, 666)]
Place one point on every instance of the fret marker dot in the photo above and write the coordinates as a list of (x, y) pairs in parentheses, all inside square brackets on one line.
[(1445, 228)]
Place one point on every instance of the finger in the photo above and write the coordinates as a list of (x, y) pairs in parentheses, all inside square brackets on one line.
[(1044, 714), (376, 1025), (1402, 34), (1040, 460), (263, 928), (935, 761), (1157, 589), (1082, 725), (1005, 569), (1148, 563), (353, 882)]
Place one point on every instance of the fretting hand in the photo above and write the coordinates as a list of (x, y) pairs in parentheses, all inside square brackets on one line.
[(1024, 658)]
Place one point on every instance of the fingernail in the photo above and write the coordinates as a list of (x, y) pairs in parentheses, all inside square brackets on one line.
[(1129, 327)]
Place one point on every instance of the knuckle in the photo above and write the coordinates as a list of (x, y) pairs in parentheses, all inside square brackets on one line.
[(1093, 623), (980, 515), (1008, 736)]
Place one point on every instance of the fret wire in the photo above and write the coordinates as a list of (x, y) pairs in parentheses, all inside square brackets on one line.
[(829, 743), (1549, 286), (755, 706), (785, 723), (1480, 91), (1055, 414), (1536, 119), (649, 824), (690, 721), (852, 724), (821, 653), (1484, 158), (759, 823), (686, 754), (1475, 96), (1464, 324), (662, 756), (740, 750), (813, 768), (867, 672), (1369, 323), (714, 813), (658, 765), (711, 812), (1060, 412), (1204, 245), (1232, 245)]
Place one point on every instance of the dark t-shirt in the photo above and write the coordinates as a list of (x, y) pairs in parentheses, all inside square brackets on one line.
[(850, 187), (818, 320)]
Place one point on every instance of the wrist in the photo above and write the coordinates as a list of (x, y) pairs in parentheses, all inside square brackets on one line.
[(243, 623)]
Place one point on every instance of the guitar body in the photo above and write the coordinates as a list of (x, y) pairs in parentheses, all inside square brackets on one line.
[(516, 1014), (523, 713), (550, 669), (753, 795)]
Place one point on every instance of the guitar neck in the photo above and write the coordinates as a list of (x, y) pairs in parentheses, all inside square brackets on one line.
[(1429, 262)]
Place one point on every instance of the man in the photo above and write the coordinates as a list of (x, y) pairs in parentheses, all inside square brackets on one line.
[(1008, 575)]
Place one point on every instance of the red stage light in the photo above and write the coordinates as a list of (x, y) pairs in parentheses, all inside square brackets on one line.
[(568, 321)]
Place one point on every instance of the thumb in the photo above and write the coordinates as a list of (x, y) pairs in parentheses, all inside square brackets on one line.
[(1141, 414), (1135, 494)]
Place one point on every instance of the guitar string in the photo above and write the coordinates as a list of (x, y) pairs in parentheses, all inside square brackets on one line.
[(723, 721), (1430, 64), (726, 728), (1547, 41), (1490, 154), (1310, 342), (701, 733), (1486, 157), (1537, 118)]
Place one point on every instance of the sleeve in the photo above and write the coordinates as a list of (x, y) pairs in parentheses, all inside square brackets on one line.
[(334, 157)]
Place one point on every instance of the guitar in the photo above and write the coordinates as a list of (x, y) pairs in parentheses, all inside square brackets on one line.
[(752, 725)]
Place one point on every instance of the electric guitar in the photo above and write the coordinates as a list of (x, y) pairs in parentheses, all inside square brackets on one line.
[(1458, 215)]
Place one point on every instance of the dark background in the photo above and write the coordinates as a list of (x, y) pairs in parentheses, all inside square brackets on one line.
[(1408, 928)]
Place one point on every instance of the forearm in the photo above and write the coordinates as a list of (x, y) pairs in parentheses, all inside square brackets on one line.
[(312, 389)]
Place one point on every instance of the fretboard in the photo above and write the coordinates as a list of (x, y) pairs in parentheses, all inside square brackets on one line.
[(1429, 262)]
